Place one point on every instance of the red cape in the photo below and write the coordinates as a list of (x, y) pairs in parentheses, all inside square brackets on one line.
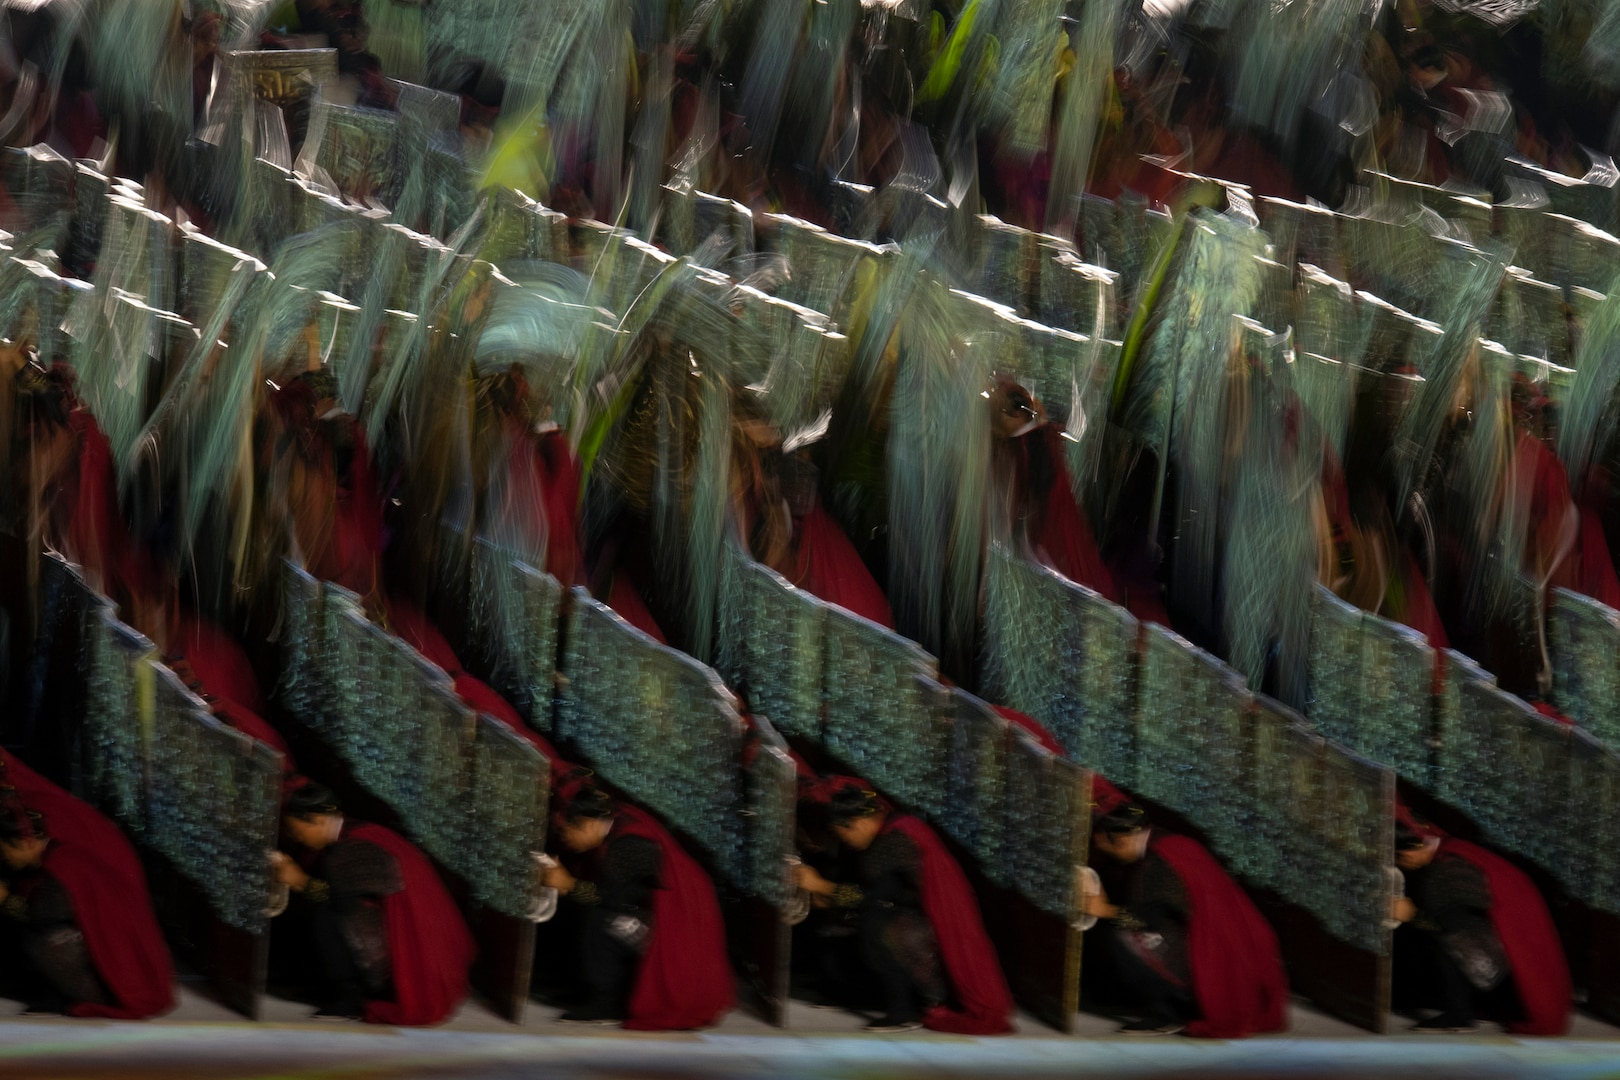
[(1418, 609), (103, 876), (1587, 567), (1237, 972), (627, 603), (1540, 973), (256, 727), (1064, 540), (543, 500), (427, 938), (826, 565), (408, 622), (985, 1003), (227, 676), (219, 662), (1598, 577), (1032, 726), (685, 980), (481, 697)]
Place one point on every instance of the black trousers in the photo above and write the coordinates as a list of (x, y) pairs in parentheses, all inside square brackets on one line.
[(1426, 977), (49, 967), (343, 982), (610, 962), (1138, 986), (901, 996)]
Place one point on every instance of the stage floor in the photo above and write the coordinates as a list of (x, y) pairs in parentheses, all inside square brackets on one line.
[(203, 1041)]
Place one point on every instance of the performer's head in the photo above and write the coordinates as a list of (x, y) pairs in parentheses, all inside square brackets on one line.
[(22, 841), (1122, 832), (311, 816), (585, 820), (1414, 848), (1014, 411), (856, 815)]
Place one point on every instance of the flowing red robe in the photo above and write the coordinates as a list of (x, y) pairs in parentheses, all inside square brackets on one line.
[(1062, 538), (429, 944), (627, 603), (983, 1005), (228, 678), (1237, 971), (219, 662), (356, 543), (410, 624), (421, 634), (1598, 577), (104, 878), (826, 565), (1542, 480), (685, 980), (542, 500), (484, 698), (1029, 724), (1540, 972)]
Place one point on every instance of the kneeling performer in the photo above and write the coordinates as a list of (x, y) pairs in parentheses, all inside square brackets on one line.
[(1476, 938), (392, 947), (1187, 943), (921, 934), (84, 927), (654, 944)]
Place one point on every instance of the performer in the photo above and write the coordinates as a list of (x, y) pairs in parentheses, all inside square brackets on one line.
[(921, 935), (1476, 938), (654, 945), (74, 893), (778, 504), (391, 945), (1189, 946)]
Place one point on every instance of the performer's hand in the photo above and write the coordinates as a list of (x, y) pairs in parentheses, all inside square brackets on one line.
[(1097, 906), (1403, 910), (812, 882), (555, 877), (288, 872)]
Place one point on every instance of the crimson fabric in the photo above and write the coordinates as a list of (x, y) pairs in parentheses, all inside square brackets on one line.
[(1540, 972), (542, 499), (256, 727), (482, 697), (827, 566), (429, 943), (1105, 797), (228, 677), (219, 663), (984, 1004), (1237, 972), (560, 474), (103, 876), (1598, 577), (1031, 725), (824, 789), (1065, 541), (629, 606), (1587, 568), (98, 538), (1417, 608), (357, 525), (94, 512), (1553, 714), (685, 980), (1142, 600), (417, 630)]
